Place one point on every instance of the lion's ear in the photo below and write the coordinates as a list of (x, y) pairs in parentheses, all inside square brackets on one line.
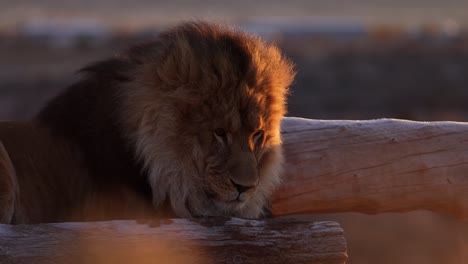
[(8, 187)]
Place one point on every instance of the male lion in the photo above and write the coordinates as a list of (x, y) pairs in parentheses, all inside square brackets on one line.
[(186, 125)]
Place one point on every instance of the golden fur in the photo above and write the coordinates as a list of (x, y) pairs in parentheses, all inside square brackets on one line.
[(195, 114)]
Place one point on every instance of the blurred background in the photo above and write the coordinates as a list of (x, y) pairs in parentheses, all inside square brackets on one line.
[(356, 59)]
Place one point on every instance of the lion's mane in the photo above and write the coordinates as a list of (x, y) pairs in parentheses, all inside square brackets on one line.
[(144, 122)]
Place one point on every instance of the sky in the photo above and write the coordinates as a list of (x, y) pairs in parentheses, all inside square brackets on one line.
[(145, 13)]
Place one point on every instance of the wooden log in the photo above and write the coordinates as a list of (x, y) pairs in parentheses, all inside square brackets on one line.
[(374, 166), (210, 240)]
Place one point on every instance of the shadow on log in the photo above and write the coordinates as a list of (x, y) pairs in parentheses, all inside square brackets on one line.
[(210, 240)]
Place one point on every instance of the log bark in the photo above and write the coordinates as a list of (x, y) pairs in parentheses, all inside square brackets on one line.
[(211, 240), (373, 167)]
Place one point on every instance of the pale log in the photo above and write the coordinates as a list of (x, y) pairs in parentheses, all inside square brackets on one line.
[(210, 240), (374, 166)]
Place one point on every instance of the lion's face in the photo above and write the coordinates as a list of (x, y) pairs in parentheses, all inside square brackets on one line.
[(204, 113), (231, 172), (241, 163)]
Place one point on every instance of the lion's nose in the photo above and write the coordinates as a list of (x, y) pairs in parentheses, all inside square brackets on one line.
[(241, 188)]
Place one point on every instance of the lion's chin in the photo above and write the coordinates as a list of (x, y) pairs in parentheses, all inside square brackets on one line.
[(231, 200), (231, 207), (215, 207), (216, 204)]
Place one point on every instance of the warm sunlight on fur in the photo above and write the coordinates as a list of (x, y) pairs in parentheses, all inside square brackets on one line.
[(204, 110), (187, 124)]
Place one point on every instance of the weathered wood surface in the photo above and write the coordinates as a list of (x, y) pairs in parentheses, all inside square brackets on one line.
[(374, 166), (212, 240)]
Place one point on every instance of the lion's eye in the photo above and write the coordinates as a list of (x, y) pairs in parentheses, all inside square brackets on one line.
[(220, 135), (258, 137)]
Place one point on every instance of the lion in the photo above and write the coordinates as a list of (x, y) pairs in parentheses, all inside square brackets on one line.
[(186, 125)]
